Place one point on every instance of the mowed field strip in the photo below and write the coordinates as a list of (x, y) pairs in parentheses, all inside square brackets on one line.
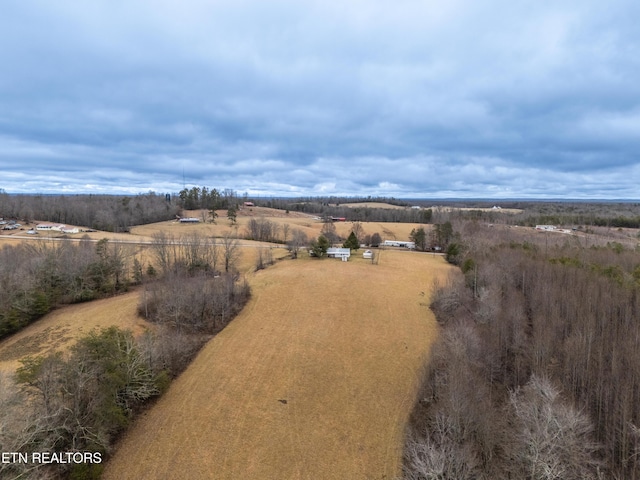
[(315, 379)]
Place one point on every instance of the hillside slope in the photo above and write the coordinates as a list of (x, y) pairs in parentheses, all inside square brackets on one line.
[(314, 379)]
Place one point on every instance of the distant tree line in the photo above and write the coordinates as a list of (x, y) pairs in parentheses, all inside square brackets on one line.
[(582, 220), (586, 214), (609, 214), (283, 203), (327, 207), (536, 373), (206, 198), (112, 213)]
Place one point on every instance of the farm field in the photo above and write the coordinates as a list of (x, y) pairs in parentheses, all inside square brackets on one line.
[(433, 207), (373, 205), (60, 328), (479, 209), (310, 224), (314, 379)]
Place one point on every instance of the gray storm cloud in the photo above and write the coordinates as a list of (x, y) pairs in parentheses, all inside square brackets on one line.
[(409, 98)]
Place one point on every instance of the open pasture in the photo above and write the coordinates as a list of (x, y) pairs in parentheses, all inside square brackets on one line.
[(512, 211), (314, 379), (373, 205), (61, 328), (311, 225)]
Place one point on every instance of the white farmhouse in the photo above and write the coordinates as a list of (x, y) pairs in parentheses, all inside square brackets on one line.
[(396, 243), (47, 227), (343, 253)]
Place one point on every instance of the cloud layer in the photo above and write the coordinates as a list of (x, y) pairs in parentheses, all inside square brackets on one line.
[(412, 98)]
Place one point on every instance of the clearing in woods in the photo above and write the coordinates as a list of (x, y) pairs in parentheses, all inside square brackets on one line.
[(58, 330), (314, 379)]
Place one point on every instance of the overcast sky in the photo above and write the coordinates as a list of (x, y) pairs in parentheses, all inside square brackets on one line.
[(404, 98)]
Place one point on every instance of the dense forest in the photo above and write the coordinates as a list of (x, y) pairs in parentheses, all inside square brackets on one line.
[(536, 373)]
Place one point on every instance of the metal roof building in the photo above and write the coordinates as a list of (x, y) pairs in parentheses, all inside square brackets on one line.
[(343, 253)]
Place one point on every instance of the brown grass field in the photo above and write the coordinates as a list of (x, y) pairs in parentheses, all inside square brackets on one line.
[(435, 207), (373, 205), (314, 380), (309, 224), (60, 328), (481, 209)]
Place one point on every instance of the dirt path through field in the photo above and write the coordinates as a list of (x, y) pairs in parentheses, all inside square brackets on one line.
[(314, 380)]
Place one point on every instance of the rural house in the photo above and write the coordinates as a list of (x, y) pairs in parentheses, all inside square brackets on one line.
[(343, 253), (395, 243)]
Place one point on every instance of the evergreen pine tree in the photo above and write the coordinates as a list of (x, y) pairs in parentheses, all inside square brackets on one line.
[(352, 242)]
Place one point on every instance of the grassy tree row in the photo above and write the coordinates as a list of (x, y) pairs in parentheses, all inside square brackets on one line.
[(80, 401)]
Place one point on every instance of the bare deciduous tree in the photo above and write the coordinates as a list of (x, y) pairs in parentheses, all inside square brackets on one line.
[(230, 251), (298, 240), (329, 232), (554, 441), (286, 228)]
